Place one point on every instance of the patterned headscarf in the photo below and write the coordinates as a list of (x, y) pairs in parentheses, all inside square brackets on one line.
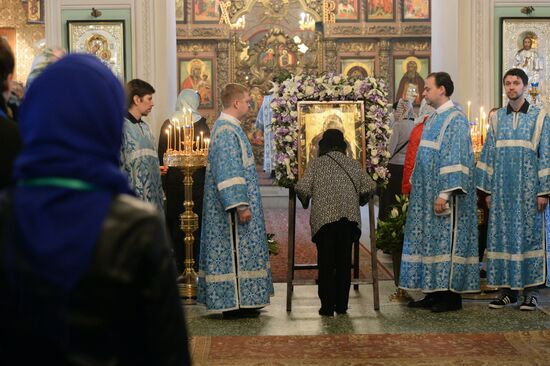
[(42, 60), (404, 110)]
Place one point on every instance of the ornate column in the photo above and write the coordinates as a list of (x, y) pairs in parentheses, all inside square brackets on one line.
[(331, 64), (384, 47), (224, 66)]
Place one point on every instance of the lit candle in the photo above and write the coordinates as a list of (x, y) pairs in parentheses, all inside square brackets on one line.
[(469, 108), (202, 140), (173, 130), (179, 136), (168, 133), (197, 144), (207, 143)]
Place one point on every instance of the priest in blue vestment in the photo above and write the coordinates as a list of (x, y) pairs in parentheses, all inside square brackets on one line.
[(440, 253), (514, 170), (234, 268)]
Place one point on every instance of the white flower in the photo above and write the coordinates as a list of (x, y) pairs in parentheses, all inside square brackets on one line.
[(294, 114), (347, 89), (375, 161), (371, 126), (289, 138), (394, 213), (309, 90), (336, 79)]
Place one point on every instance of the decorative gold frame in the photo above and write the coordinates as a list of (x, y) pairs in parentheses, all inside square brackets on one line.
[(351, 115), (104, 39)]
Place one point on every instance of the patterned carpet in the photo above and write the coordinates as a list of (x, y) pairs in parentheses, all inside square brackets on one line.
[(276, 220), (479, 349)]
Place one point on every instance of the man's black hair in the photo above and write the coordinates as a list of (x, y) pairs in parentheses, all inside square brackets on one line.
[(443, 79)]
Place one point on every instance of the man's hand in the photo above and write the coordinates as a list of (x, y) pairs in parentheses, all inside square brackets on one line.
[(541, 203), (163, 170), (244, 216), (439, 205), (488, 201)]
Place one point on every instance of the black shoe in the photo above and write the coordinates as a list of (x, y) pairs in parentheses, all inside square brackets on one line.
[(241, 313), (426, 303), (325, 312), (502, 302), (444, 306), (341, 311), (529, 304)]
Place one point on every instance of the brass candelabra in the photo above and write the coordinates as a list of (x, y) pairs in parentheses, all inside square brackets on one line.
[(188, 162), (186, 154)]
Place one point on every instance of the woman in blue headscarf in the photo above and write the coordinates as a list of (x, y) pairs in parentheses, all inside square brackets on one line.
[(172, 182), (85, 270)]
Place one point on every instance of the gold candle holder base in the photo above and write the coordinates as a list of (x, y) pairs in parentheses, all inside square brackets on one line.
[(400, 296), (188, 162)]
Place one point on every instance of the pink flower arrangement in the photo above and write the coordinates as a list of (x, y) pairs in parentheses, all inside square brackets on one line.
[(330, 87)]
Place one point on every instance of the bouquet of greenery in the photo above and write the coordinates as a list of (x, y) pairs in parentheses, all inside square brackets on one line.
[(272, 243), (390, 232)]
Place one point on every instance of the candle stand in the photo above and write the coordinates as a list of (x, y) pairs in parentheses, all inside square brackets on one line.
[(188, 155), (188, 162)]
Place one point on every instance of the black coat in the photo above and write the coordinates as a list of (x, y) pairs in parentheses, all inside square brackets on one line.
[(10, 146), (124, 311)]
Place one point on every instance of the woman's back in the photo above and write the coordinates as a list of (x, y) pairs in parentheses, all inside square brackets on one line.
[(124, 310)]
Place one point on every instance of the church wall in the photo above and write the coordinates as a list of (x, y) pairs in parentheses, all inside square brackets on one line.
[(14, 15)]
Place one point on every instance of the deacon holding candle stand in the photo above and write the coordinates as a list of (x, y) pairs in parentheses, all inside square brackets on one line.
[(173, 134)]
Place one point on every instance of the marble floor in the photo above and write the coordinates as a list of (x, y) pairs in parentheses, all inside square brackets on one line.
[(475, 317)]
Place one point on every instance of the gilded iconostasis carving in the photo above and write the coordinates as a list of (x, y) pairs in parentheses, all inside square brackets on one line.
[(250, 41)]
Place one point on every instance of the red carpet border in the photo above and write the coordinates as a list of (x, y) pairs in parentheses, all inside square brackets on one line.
[(479, 349)]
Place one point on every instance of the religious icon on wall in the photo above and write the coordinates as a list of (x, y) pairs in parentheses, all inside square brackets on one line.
[(206, 11), (416, 10), (267, 58), (525, 45), (381, 10), (409, 75), (286, 57), (347, 10), (104, 39), (35, 11), (180, 11), (314, 118), (357, 68), (196, 74)]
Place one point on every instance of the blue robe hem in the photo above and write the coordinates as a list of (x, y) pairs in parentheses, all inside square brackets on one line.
[(544, 282), (426, 291)]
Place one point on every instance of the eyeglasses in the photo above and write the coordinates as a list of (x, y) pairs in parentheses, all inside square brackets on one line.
[(248, 102)]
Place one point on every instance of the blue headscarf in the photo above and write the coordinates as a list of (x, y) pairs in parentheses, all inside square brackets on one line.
[(68, 172)]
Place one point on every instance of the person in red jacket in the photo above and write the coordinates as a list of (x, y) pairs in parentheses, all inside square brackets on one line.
[(414, 140)]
